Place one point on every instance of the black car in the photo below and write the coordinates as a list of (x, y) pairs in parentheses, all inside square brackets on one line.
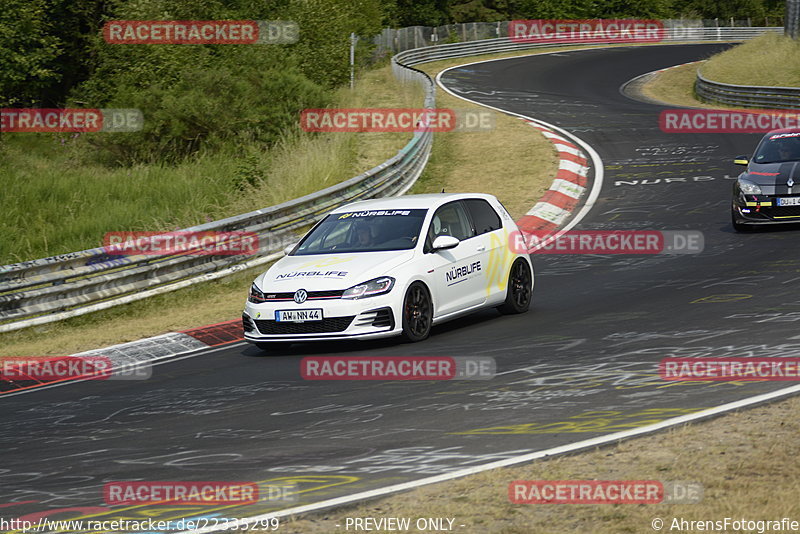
[(768, 192)]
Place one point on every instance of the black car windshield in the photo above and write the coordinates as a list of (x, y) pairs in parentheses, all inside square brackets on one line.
[(779, 147), (364, 231)]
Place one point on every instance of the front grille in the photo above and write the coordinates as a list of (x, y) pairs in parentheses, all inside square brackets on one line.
[(781, 211), (383, 317), (379, 318), (331, 324), (312, 295)]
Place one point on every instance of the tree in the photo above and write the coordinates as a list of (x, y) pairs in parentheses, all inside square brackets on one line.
[(423, 12), (27, 53)]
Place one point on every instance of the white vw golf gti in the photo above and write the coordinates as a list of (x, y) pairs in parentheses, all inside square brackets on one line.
[(391, 266)]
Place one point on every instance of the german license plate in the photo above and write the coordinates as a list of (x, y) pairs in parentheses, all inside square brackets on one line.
[(298, 316), (788, 201)]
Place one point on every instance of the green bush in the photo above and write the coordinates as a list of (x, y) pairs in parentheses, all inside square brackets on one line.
[(202, 98), (208, 109), (27, 51)]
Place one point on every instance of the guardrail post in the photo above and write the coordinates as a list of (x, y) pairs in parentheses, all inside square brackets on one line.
[(45, 290), (791, 19)]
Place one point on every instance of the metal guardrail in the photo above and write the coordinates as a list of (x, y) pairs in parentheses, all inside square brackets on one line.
[(747, 96), (401, 39), (504, 44), (51, 289)]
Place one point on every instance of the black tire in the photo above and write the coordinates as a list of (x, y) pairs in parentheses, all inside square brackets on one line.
[(518, 290), (273, 347), (739, 227), (417, 313)]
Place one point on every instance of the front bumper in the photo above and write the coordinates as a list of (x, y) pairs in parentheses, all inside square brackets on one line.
[(368, 318), (764, 209)]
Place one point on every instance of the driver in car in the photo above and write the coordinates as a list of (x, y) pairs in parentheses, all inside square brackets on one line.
[(363, 233), (789, 150)]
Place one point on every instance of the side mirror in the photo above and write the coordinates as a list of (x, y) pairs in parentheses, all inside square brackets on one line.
[(444, 242), (289, 248), (741, 160)]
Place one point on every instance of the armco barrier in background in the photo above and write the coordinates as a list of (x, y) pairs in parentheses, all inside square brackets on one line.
[(681, 31), (747, 96), (51, 289), (402, 39), (41, 291)]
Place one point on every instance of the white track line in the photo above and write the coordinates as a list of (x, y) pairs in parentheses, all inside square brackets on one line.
[(597, 162), (602, 440), (572, 447), (654, 101)]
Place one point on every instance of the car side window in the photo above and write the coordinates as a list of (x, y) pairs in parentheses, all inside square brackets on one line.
[(450, 219), (484, 217)]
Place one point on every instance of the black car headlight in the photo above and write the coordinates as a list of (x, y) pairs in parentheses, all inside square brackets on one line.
[(377, 286), (749, 188), (256, 295)]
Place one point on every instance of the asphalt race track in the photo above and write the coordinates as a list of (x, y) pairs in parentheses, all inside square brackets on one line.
[(582, 363)]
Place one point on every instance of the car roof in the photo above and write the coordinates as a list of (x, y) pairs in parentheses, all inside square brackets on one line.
[(428, 201), (783, 131)]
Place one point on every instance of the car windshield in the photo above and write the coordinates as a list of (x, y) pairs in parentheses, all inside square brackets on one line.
[(779, 147), (364, 231)]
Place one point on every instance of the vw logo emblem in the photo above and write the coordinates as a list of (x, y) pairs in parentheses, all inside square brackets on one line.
[(790, 183), (300, 296)]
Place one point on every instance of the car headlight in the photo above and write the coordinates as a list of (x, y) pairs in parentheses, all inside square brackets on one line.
[(256, 295), (378, 286), (749, 188)]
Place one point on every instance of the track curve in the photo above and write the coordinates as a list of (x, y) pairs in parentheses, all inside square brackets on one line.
[(581, 364)]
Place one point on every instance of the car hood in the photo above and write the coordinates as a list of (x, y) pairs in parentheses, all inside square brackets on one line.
[(773, 177), (330, 271)]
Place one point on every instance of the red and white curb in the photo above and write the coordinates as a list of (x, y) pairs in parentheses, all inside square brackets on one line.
[(144, 352), (172, 344), (558, 210), (556, 207), (569, 186), (570, 182)]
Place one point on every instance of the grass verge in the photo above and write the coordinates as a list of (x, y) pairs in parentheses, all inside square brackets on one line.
[(770, 59), (759, 61), (513, 161), (54, 201), (675, 87), (744, 460), (497, 162), (299, 166), (202, 304)]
